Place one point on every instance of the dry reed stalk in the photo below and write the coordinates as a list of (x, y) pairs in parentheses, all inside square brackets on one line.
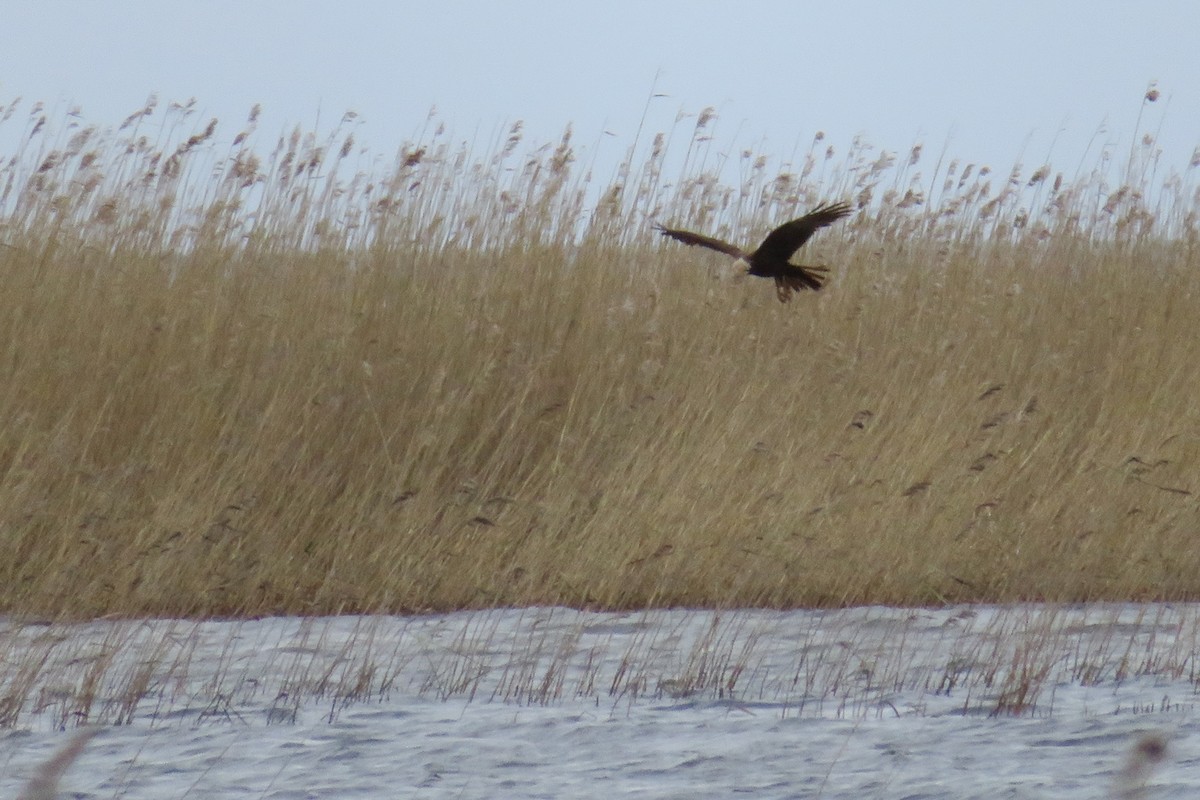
[(44, 784)]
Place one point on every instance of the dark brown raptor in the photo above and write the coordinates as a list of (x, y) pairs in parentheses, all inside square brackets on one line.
[(770, 260)]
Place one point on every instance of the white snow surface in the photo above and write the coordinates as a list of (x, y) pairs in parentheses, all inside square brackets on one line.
[(967, 701)]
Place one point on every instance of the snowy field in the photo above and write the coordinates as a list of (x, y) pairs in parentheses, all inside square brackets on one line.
[(1018, 701)]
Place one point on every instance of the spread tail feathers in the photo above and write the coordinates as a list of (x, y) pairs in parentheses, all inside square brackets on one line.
[(799, 279)]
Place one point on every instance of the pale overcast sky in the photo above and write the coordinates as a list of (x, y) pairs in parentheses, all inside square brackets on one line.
[(990, 80)]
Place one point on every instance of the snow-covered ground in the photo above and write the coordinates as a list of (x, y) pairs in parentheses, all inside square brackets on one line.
[(1018, 701)]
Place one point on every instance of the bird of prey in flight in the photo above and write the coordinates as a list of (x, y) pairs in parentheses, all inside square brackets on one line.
[(770, 260)]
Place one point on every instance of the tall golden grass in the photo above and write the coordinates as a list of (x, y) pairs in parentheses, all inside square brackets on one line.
[(301, 380)]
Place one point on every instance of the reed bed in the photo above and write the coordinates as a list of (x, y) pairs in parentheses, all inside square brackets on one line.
[(1093, 635), (296, 378), (848, 664)]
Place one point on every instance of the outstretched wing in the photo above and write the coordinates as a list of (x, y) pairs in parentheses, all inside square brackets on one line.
[(687, 237), (788, 237)]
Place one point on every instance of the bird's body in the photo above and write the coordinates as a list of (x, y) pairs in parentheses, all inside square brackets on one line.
[(770, 260)]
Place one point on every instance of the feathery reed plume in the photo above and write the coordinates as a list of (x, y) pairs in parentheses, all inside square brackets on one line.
[(1147, 753)]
